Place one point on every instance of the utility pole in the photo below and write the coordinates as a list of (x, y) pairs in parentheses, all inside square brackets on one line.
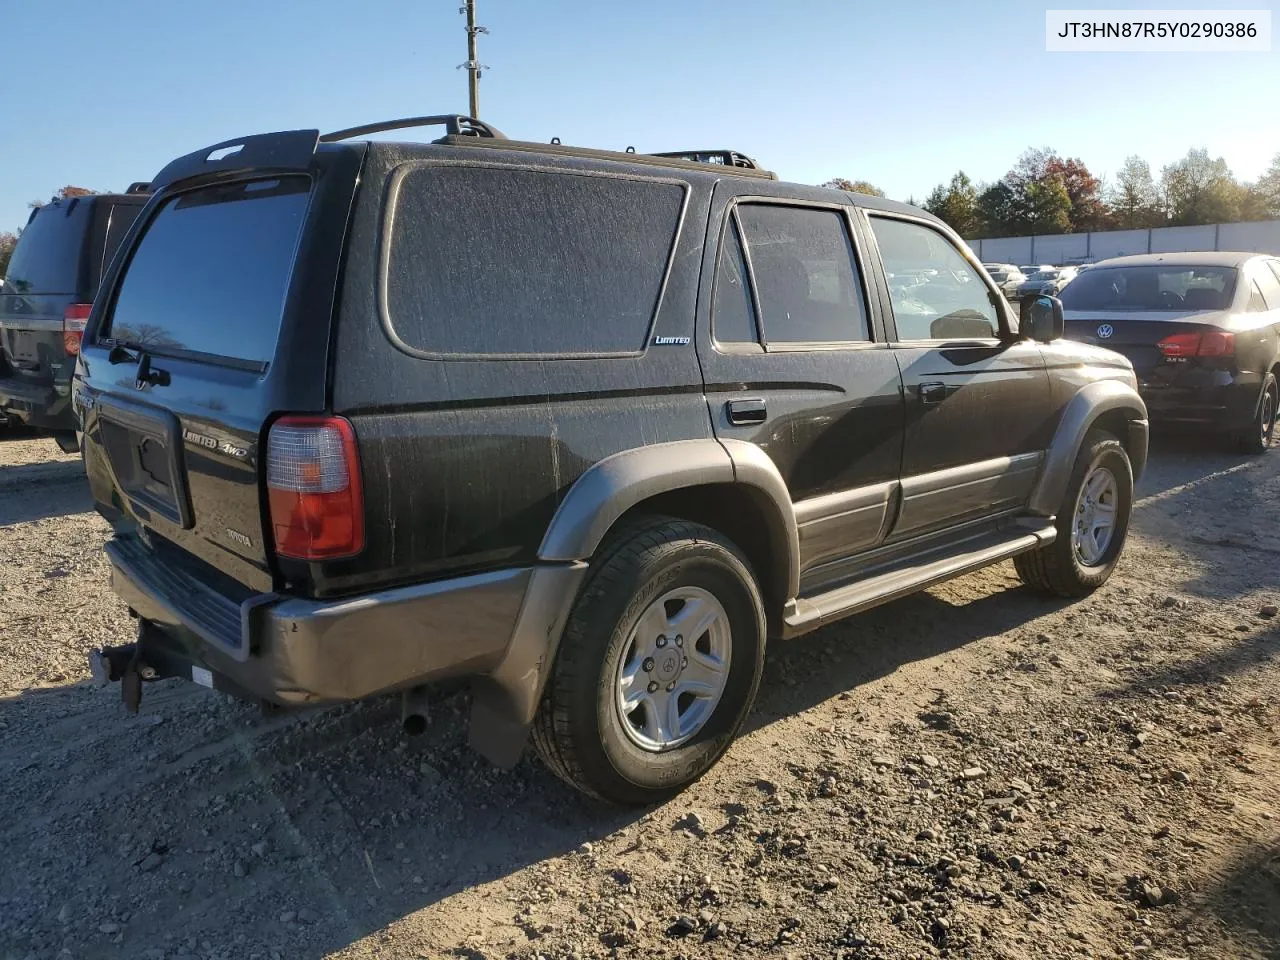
[(473, 64)]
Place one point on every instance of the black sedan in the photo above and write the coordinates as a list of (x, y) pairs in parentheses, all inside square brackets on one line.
[(1201, 329)]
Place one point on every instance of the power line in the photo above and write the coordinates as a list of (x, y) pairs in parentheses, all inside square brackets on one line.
[(473, 65)]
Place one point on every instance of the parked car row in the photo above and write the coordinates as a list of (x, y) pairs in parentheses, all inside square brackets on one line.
[(585, 427), (1031, 280)]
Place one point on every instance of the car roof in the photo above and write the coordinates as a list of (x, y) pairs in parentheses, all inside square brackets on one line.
[(1205, 258)]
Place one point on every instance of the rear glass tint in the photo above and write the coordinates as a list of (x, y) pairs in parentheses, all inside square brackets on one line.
[(209, 275), (499, 261), (1153, 288), (49, 257)]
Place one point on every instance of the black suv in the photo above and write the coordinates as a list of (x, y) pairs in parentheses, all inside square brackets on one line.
[(44, 303), (585, 427)]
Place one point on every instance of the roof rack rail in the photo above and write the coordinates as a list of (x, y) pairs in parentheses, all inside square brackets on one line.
[(455, 125), (139, 186), (725, 158)]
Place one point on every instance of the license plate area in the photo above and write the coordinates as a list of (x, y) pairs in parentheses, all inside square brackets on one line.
[(143, 444)]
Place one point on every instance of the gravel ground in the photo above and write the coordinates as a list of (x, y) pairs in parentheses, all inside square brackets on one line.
[(970, 772)]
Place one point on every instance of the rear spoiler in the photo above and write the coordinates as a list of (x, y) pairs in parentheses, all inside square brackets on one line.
[(290, 151)]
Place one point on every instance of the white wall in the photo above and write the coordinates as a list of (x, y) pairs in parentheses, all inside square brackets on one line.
[(1262, 237)]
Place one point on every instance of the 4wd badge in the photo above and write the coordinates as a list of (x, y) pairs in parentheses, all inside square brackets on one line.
[(212, 443)]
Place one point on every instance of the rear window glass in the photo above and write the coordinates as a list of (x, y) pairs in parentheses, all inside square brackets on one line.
[(50, 252), (1178, 288), (209, 275), (487, 261)]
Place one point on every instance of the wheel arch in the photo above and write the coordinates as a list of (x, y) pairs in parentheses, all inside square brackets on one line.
[(1112, 404)]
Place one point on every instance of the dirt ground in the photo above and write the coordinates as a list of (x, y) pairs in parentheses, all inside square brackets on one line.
[(969, 772)]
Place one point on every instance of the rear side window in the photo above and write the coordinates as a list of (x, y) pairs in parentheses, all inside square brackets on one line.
[(805, 275), (50, 254), (488, 261), (122, 217), (1269, 284), (1256, 303), (210, 273), (733, 318)]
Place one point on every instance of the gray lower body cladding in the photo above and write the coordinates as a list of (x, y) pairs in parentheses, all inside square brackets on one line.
[(298, 652)]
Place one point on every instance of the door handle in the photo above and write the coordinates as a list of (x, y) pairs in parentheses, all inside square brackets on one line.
[(747, 411), (933, 392)]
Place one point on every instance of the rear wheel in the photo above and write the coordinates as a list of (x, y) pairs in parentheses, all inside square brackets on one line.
[(1257, 436), (1092, 523), (658, 665)]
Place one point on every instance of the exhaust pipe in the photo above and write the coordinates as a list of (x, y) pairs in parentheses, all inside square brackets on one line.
[(414, 711)]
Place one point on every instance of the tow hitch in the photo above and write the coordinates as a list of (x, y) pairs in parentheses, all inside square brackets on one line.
[(123, 664)]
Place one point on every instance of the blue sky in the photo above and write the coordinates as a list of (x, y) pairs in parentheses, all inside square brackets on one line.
[(899, 93)]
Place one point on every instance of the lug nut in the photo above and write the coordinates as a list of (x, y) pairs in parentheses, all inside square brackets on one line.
[(648, 664), (671, 686), (653, 686), (684, 662), (662, 642), (679, 640)]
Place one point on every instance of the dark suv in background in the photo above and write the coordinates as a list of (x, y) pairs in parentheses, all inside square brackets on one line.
[(44, 303), (586, 427)]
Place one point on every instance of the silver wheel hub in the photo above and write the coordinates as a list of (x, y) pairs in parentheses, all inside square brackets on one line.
[(1095, 517), (673, 669)]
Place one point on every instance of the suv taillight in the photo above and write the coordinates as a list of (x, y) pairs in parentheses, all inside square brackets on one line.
[(313, 488), (73, 320), (1210, 343)]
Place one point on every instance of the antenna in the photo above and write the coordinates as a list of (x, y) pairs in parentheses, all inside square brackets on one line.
[(473, 65)]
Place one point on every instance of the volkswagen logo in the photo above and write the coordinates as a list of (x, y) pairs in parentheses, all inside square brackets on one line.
[(1105, 331)]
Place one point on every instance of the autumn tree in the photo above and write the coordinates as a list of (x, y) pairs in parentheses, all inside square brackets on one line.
[(1134, 200), (68, 192), (1198, 189), (956, 204), (7, 242), (1268, 189), (854, 186)]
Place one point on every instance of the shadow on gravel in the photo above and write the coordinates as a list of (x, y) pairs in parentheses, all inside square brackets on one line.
[(1247, 902), (15, 432), (806, 671), (37, 491), (1247, 653)]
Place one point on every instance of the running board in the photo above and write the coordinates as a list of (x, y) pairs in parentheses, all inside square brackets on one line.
[(810, 613)]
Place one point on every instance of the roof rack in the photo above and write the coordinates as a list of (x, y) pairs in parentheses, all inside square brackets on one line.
[(139, 186), (725, 158), (455, 125)]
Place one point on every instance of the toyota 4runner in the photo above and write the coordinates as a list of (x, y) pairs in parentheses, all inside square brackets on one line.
[(584, 427)]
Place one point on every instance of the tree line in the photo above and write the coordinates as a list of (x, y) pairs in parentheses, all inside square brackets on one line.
[(1046, 193)]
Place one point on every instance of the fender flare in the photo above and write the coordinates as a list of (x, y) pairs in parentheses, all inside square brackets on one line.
[(506, 699), (1082, 411)]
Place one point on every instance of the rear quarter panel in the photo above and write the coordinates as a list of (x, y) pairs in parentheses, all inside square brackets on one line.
[(466, 460)]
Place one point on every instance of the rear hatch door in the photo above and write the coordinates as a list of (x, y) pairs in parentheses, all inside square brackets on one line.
[(215, 318), (48, 271)]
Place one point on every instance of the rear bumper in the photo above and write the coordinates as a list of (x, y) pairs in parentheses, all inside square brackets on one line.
[(292, 651), (1215, 397), (42, 406)]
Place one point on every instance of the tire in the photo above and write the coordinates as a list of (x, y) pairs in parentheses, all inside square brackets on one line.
[(581, 731), (1065, 568), (1256, 437)]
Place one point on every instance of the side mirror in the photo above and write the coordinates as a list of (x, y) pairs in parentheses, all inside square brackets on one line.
[(1041, 319)]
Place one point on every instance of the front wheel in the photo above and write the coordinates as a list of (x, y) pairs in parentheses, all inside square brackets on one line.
[(1092, 523), (658, 666), (1257, 435)]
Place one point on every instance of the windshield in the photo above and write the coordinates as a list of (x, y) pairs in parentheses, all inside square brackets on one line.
[(1044, 275), (1151, 288)]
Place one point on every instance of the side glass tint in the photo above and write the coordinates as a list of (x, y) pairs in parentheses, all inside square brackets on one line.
[(733, 317)]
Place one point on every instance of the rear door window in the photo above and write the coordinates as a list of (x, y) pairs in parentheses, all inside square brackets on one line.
[(805, 275), (733, 317), (50, 255), (503, 262), (122, 217), (209, 275)]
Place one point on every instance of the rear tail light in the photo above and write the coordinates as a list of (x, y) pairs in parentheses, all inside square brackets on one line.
[(1210, 343), (73, 320), (314, 494)]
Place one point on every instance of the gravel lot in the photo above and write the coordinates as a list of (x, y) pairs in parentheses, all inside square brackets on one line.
[(970, 772)]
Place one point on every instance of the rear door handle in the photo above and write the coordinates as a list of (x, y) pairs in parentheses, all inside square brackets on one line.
[(747, 411), (934, 392)]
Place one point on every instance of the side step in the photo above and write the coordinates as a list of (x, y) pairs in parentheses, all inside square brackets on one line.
[(810, 613)]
